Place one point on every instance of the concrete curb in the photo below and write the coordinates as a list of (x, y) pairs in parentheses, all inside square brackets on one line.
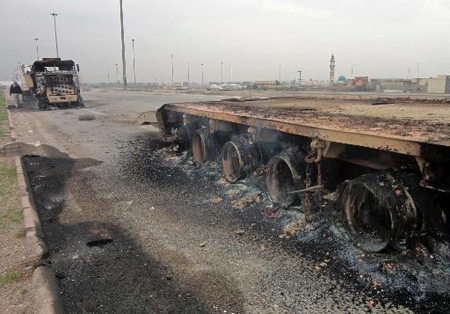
[(46, 294), (48, 300), (33, 227)]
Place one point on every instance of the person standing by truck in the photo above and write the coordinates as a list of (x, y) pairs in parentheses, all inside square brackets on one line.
[(15, 91)]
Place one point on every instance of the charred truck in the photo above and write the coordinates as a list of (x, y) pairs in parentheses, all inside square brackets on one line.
[(52, 82), (385, 164)]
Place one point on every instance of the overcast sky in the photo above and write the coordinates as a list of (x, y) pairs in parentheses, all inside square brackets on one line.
[(380, 38)]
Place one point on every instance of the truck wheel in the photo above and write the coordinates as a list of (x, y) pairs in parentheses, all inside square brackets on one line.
[(42, 105), (80, 102), (286, 173), (379, 212), (239, 158), (203, 146)]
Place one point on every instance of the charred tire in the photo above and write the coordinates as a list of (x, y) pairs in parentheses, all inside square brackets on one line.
[(239, 158), (379, 212), (80, 102), (42, 105), (185, 135), (285, 173), (203, 146)]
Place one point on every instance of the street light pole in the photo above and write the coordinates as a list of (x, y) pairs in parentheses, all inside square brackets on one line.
[(56, 34), (37, 48), (188, 78), (201, 65), (221, 72), (171, 62), (122, 34), (134, 61), (19, 71), (279, 73)]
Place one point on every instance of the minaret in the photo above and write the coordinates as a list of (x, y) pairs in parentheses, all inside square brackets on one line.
[(332, 66)]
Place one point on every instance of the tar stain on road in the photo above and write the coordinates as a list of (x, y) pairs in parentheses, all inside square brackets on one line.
[(99, 266)]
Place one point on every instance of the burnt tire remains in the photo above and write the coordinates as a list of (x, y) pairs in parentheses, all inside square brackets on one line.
[(239, 158), (203, 146), (285, 173), (379, 212)]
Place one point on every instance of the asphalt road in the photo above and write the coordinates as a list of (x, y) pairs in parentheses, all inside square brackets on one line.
[(133, 103), (135, 228)]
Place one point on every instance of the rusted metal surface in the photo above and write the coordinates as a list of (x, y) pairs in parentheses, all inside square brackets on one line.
[(315, 188), (347, 134), (148, 117), (62, 99), (200, 147)]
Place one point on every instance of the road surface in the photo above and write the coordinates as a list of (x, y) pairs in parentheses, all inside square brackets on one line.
[(133, 230)]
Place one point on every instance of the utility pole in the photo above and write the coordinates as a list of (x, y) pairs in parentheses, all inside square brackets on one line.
[(19, 71), (221, 72), (279, 73), (134, 61), (117, 72), (352, 71), (188, 78), (56, 34), (201, 65), (37, 48), (122, 33), (171, 62)]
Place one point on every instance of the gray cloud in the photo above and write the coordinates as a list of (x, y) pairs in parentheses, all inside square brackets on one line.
[(380, 38)]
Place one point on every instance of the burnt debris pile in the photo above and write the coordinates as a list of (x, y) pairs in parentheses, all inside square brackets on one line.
[(382, 226)]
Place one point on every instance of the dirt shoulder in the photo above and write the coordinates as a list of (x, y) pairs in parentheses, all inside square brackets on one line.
[(15, 280)]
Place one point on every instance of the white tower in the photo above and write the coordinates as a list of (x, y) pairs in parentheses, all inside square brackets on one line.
[(332, 67)]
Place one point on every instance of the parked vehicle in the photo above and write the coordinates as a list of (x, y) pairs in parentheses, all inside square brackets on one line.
[(52, 82)]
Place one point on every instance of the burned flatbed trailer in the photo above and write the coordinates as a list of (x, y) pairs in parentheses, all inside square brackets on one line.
[(387, 160)]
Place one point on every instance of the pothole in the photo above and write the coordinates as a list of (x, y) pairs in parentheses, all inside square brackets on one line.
[(99, 242)]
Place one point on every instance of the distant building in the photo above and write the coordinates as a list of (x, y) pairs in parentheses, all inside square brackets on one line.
[(361, 82), (268, 85), (439, 85), (394, 85)]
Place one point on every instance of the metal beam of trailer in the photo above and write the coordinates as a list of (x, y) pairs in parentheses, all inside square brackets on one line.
[(344, 137)]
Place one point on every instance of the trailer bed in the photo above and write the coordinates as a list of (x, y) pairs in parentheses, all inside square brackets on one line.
[(398, 125)]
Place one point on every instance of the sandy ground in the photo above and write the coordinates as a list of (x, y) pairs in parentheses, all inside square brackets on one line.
[(133, 230)]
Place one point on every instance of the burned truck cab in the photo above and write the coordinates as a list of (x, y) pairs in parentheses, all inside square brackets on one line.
[(53, 82)]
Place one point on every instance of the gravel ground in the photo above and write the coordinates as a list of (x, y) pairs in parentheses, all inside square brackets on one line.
[(134, 227)]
